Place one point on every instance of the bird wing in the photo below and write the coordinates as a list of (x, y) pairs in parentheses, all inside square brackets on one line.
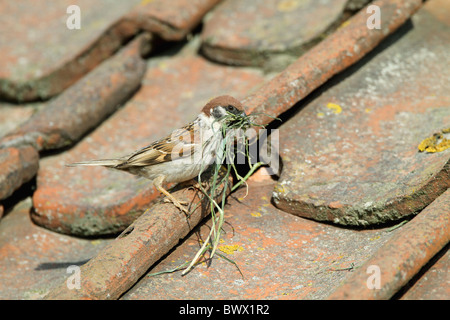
[(179, 144)]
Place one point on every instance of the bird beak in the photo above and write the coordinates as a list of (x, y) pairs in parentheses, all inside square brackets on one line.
[(246, 117)]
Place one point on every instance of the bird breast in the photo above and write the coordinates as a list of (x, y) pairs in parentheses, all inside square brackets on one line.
[(207, 139)]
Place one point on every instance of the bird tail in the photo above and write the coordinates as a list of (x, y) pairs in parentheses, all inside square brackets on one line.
[(101, 162)]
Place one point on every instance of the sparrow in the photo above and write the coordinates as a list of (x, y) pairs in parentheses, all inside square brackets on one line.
[(182, 155)]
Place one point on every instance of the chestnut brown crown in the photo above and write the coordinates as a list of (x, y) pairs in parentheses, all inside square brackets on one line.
[(224, 102)]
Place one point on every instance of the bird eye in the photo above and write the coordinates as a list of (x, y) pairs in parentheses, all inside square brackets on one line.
[(230, 108)]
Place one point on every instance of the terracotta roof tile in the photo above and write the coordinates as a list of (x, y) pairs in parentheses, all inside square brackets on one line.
[(355, 106)]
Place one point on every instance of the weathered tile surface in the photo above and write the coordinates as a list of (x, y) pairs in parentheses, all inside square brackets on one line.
[(251, 32), (281, 256), (434, 284), (170, 22), (89, 200), (402, 257), (344, 47), (41, 56), (138, 247), (13, 115), (33, 259), (17, 166), (12, 170), (63, 120), (351, 154)]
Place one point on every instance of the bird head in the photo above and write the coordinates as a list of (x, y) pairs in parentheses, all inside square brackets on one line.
[(226, 109)]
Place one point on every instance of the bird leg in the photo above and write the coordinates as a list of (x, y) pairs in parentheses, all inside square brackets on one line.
[(170, 198)]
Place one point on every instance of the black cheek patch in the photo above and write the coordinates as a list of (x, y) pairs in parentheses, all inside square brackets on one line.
[(216, 113)]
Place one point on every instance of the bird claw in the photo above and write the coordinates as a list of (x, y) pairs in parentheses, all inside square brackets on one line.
[(199, 186), (179, 204)]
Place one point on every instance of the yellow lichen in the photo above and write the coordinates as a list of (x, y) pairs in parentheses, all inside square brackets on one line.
[(344, 24), (335, 107), (445, 144), (230, 249), (279, 188), (290, 5), (431, 144), (426, 143)]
